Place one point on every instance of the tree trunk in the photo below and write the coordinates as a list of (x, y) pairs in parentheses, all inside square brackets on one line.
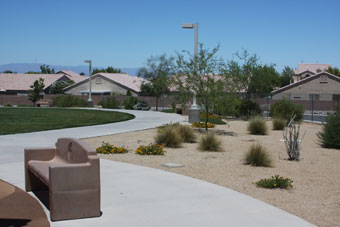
[(156, 103)]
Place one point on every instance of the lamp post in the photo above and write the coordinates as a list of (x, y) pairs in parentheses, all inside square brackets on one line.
[(194, 111), (89, 101)]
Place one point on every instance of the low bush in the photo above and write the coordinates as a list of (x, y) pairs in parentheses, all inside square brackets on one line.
[(249, 108), (257, 155), (110, 103), (285, 109), (202, 125), (210, 142), (168, 136), (329, 137), (275, 182), (68, 101), (130, 102), (279, 123), (107, 148), (151, 149), (257, 126)]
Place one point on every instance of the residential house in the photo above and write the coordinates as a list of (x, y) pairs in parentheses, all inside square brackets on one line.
[(306, 70), (107, 83)]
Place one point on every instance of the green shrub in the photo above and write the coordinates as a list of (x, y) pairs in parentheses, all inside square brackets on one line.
[(110, 103), (257, 126), (257, 155), (130, 102), (249, 108), (279, 123), (151, 149), (68, 101), (107, 148), (285, 109), (168, 136), (210, 142), (275, 182), (329, 137)]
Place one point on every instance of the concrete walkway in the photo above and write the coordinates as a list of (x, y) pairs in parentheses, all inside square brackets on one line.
[(140, 196)]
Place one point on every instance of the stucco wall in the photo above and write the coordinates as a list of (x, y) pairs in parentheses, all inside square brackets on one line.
[(324, 86), (99, 85)]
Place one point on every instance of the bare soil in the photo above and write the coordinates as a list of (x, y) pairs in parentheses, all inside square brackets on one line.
[(314, 197)]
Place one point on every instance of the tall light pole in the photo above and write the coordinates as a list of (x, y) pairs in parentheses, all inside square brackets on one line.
[(194, 111), (89, 101)]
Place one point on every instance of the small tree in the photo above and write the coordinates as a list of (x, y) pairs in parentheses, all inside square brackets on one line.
[(58, 86), (286, 76), (291, 139), (335, 71), (158, 72), (201, 75), (37, 88)]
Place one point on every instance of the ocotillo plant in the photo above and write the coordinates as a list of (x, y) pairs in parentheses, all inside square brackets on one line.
[(291, 139)]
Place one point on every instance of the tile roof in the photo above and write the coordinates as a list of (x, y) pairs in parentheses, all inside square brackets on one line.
[(311, 67), (126, 80), (22, 82), (72, 75)]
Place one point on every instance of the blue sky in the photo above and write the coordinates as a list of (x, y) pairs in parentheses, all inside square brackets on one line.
[(126, 33)]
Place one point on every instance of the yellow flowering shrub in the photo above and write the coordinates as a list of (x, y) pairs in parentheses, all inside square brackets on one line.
[(202, 125), (276, 181), (107, 148), (151, 149), (211, 116)]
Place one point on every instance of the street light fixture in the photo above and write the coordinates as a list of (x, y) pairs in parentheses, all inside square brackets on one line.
[(194, 111), (89, 101)]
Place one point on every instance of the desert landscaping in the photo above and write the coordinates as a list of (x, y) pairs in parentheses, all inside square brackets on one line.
[(315, 195)]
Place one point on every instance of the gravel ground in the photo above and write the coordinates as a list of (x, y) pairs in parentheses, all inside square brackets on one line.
[(315, 196)]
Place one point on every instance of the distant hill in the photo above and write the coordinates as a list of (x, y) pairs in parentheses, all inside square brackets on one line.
[(35, 67)]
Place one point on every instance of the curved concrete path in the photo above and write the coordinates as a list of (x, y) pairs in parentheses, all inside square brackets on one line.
[(140, 196)]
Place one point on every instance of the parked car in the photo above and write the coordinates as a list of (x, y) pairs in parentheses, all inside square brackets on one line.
[(142, 106)]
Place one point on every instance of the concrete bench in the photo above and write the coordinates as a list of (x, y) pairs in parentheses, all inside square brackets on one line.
[(71, 173)]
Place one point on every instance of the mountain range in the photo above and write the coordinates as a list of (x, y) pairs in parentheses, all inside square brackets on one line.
[(35, 67)]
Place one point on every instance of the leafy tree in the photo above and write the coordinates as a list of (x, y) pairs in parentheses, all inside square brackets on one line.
[(36, 91), (109, 69), (45, 69), (158, 71), (58, 86), (201, 74), (335, 71), (250, 76), (32, 72), (82, 74), (7, 71), (286, 76)]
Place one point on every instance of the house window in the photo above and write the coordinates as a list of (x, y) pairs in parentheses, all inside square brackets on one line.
[(98, 80), (314, 97)]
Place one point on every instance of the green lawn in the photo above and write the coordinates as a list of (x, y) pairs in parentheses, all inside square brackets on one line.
[(20, 120)]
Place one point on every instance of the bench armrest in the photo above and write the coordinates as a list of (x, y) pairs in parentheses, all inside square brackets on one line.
[(39, 154), (82, 176)]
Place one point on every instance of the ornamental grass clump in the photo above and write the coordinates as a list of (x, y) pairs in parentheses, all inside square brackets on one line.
[(329, 137), (210, 142), (151, 149), (279, 123), (257, 155), (186, 133), (168, 136), (276, 181), (257, 126), (107, 148)]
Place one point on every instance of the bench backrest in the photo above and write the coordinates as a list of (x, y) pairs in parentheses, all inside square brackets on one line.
[(73, 150)]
